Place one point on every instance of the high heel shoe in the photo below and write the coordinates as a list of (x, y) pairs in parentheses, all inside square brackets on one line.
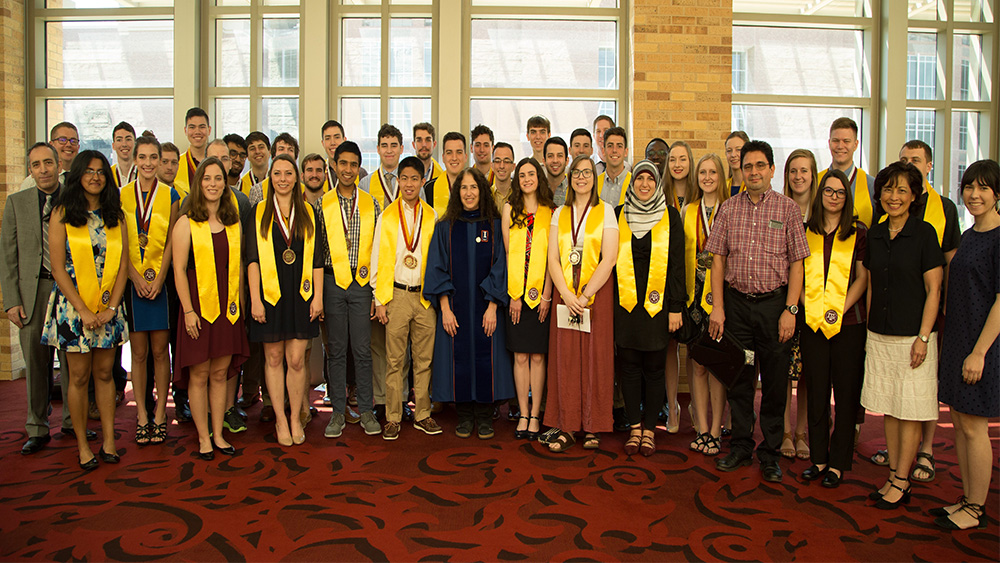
[(300, 439), (674, 422), (883, 504), (108, 458), (877, 496), (521, 434), (532, 435)]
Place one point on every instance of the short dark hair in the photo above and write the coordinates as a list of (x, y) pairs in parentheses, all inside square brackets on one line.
[(481, 130), (424, 126), (123, 125), (915, 144), (555, 141), (454, 136), (195, 112), (987, 172), (616, 131), (503, 145), (331, 123), (411, 162), (347, 146), (603, 117), (255, 136), (288, 139), (55, 153), (388, 130), (539, 121), (581, 132), (60, 125), (887, 175), (844, 123), (169, 147), (145, 140), (311, 157), (757, 146), (236, 140)]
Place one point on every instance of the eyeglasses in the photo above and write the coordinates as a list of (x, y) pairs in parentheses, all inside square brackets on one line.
[(504, 161), (582, 173), (92, 172), (760, 166), (835, 194), (69, 140)]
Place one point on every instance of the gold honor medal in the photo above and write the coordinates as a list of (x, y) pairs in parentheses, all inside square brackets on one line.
[(143, 240), (288, 256), (410, 261), (575, 257), (149, 275)]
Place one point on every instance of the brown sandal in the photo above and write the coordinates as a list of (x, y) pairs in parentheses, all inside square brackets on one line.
[(591, 441), (563, 442), (803, 452), (787, 451), (648, 446), (634, 439)]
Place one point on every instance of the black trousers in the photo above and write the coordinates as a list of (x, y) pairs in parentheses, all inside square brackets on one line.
[(838, 363), (470, 411), (634, 368), (755, 324)]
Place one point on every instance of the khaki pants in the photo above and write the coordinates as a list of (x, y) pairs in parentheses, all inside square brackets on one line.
[(409, 322)]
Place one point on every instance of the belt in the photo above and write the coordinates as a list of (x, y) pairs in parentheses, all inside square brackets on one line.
[(410, 288), (755, 297)]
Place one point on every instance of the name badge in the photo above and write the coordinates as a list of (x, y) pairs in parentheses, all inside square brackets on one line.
[(772, 224)]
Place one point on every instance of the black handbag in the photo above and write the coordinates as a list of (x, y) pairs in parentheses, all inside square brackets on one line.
[(726, 358), (694, 325)]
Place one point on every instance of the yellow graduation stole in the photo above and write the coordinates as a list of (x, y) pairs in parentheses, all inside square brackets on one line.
[(591, 246), (600, 185), (148, 265), (693, 230), (824, 302), (933, 212), (185, 174), (536, 262), (204, 269), (376, 189), (336, 227), (388, 236), (96, 294), (729, 186), (132, 175), (268, 266), (436, 169), (247, 182), (862, 199), (442, 191), (657, 277)]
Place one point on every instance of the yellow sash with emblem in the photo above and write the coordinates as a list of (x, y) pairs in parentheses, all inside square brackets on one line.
[(388, 238), (692, 231), (862, 199), (204, 268), (536, 262), (625, 184), (268, 265), (657, 276), (333, 218), (148, 264), (591, 246), (375, 187), (96, 294), (824, 302)]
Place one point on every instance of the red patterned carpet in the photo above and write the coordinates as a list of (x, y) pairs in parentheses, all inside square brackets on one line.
[(438, 498)]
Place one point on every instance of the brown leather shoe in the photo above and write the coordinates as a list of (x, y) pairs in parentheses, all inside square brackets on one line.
[(390, 431), (428, 426), (351, 415)]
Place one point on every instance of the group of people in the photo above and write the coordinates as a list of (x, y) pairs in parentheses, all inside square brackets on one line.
[(557, 283)]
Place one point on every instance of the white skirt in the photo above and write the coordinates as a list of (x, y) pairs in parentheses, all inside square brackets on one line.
[(891, 386)]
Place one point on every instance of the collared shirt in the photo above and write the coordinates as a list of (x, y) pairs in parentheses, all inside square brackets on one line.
[(760, 240), (391, 191), (896, 269), (353, 229), (29, 182), (559, 194), (499, 198), (402, 274), (611, 192)]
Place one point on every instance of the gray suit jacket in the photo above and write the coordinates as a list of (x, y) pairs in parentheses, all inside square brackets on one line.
[(21, 239)]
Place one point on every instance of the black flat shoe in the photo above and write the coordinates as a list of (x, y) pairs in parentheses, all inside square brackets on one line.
[(108, 458), (228, 450), (90, 465), (771, 471), (831, 480), (732, 462), (207, 456), (813, 472), (91, 435)]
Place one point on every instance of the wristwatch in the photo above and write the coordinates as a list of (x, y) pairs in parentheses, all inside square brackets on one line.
[(924, 339), (793, 309)]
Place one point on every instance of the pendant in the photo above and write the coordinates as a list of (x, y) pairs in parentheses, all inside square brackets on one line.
[(575, 257), (410, 261), (143, 240), (149, 275), (288, 256)]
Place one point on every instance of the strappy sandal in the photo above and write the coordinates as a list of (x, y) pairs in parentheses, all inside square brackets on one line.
[(880, 458), (563, 442), (158, 433), (633, 442), (789, 451), (591, 441), (142, 434), (876, 495), (943, 511), (521, 434), (698, 444), (976, 511), (532, 435), (648, 446), (927, 468), (803, 452), (712, 446)]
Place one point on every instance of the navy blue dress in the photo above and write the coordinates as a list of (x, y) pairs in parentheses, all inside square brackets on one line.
[(467, 261), (973, 285)]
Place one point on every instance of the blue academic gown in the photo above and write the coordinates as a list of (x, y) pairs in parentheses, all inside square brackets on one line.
[(469, 367)]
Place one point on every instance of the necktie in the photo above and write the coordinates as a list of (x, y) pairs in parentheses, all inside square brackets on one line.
[(46, 212)]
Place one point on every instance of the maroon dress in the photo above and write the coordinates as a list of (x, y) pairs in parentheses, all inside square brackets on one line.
[(215, 340)]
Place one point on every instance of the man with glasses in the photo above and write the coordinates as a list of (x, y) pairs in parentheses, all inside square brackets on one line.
[(759, 244), (197, 131), (237, 158), (65, 139), (503, 167)]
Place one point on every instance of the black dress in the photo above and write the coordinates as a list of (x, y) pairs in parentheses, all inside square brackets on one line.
[(529, 335), (289, 319)]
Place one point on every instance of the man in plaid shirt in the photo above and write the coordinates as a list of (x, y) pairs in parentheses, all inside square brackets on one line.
[(758, 243)]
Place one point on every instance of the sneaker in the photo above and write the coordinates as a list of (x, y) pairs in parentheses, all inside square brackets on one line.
[(464, 429), (428, 426), (485, 429), (391, 431), (351, 415), (336, 426), (370, 425), (232, 421)]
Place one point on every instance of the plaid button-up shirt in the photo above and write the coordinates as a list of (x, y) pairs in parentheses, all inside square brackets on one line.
[(760, 240), (353, 227)]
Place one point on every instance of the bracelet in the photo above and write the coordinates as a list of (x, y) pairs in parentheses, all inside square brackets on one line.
[(546, 300), (188, 312)]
